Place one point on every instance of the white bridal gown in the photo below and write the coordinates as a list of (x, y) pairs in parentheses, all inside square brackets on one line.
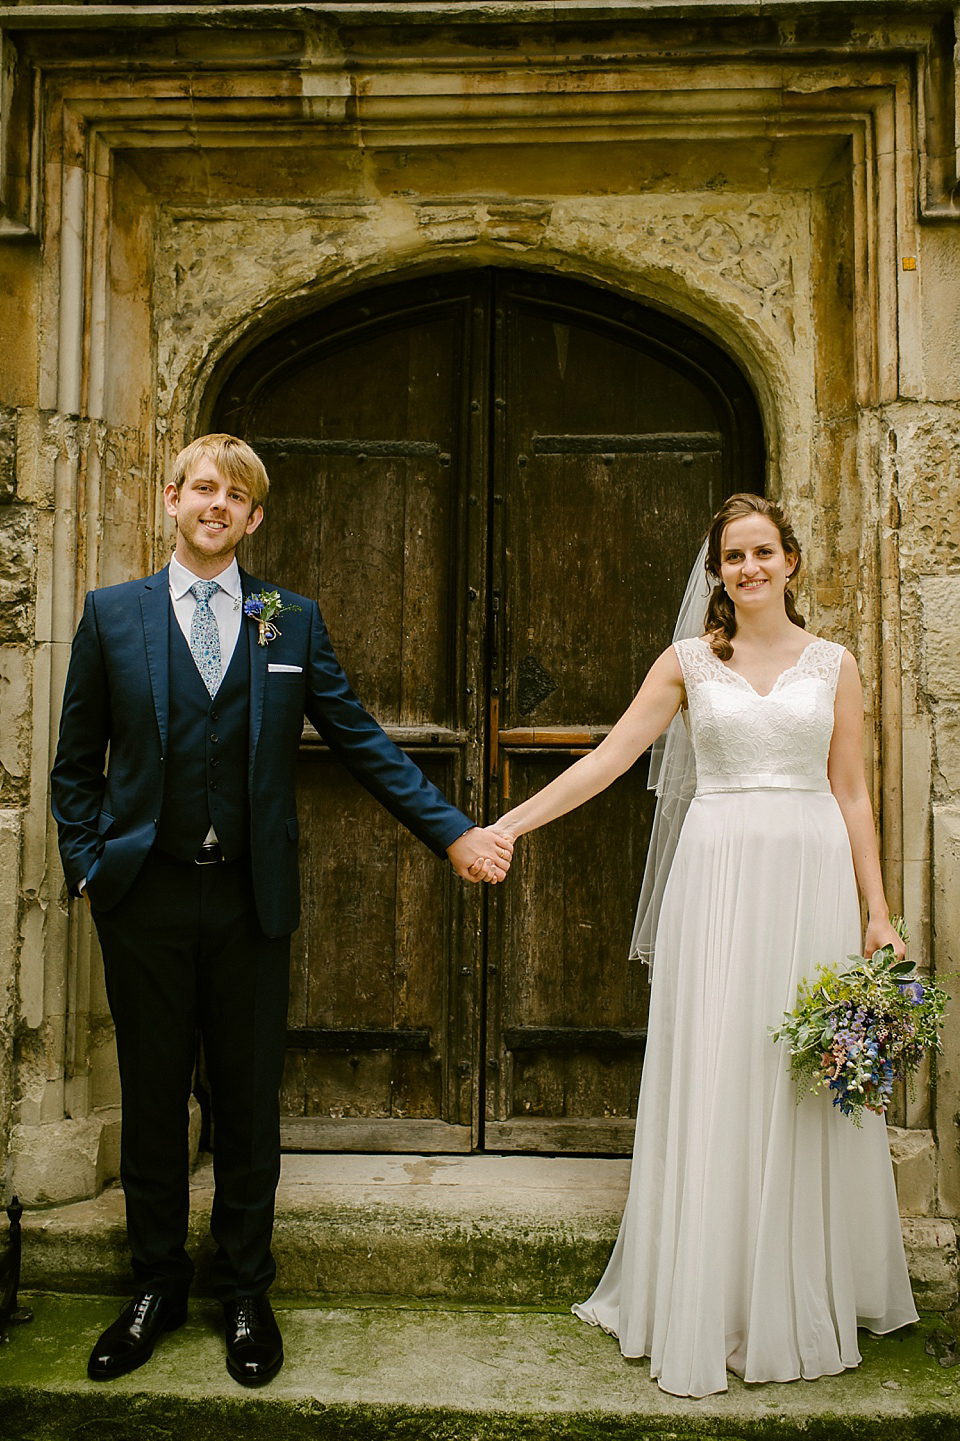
[(758, 1233)]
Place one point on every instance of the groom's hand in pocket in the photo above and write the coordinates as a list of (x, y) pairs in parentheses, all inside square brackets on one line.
[(481, 854)]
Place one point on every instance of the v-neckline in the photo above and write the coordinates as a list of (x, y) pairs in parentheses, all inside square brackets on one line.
[(761, 695)]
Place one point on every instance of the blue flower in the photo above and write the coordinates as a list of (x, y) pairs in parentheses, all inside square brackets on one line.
[(914, 991), (264, 608)]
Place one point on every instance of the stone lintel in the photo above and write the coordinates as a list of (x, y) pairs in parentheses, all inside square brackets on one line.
[(917, 14)]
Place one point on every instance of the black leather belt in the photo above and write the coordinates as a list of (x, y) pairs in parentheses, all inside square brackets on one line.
[(209, 855)]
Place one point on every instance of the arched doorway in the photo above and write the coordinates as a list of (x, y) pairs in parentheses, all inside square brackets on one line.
[(495, 484)]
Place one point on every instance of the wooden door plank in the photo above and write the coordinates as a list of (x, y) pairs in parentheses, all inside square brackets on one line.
[(320, 1133), (593, 1135)]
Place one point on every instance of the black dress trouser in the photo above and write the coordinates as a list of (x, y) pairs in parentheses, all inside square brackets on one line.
[(184, 955)]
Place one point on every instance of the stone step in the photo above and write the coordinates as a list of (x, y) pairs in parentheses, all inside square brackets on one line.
[(506, 1230), (511, 1230), (435, 1373)]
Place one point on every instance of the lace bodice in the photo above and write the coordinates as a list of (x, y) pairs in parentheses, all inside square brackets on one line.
[(737, 732)]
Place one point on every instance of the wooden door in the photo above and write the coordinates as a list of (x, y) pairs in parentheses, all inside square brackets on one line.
[(365, 420), (611, 455), (494, 484)]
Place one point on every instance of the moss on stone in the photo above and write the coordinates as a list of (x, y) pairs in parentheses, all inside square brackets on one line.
[(411, 1372)]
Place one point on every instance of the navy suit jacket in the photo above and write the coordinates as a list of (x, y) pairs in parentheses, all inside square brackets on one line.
[(116, 699)]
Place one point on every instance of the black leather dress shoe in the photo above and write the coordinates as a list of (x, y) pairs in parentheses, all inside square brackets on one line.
[(130, 1340), (254, 1343)]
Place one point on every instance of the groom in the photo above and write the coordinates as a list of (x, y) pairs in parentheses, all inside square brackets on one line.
[(174, 793)]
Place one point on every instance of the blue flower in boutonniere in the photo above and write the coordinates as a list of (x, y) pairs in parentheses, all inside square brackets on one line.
[(263, 608)]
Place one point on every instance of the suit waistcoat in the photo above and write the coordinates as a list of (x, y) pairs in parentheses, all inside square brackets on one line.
[(205, 769)]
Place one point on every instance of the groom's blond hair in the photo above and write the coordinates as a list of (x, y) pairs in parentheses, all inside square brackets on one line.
[(234, 459)]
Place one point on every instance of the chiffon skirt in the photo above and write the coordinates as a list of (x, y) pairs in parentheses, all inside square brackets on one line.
[(758, 1233)]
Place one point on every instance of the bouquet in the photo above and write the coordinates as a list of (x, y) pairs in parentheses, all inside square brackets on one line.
[(854, 1030)]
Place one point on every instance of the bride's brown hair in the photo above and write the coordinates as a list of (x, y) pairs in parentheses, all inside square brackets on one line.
[(721, 620)]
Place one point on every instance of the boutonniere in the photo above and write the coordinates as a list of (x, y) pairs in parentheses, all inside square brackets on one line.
[(263, 608)]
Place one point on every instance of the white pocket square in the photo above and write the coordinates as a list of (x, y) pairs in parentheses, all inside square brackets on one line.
[(288, 669)]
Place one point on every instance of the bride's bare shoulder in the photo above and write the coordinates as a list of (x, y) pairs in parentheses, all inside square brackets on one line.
[(668, 661)]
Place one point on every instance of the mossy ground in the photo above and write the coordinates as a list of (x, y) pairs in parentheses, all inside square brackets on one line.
[(415, 1372)]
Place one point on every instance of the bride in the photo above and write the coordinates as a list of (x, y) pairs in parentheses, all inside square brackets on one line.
[(758, 1233)]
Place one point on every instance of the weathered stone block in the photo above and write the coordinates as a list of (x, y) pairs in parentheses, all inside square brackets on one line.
[(58, 1162), (20, 270), (449, 224), (38, 446), (933, 1263), (10, 841), (946, 952), (104, 1075), (16, 700), (109, 1168), (947, 746), (8, 453), (922, 447), (18, 559), (124, 488), (939, 265), (518, 224), (941, 642), (914, 1155)]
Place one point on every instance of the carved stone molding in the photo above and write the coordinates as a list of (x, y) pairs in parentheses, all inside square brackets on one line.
[(741, 253), (354, 69)]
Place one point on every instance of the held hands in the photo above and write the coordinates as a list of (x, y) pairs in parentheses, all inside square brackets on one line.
[(481, 854)]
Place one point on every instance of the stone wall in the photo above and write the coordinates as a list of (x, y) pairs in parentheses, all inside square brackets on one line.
[(785, 184)]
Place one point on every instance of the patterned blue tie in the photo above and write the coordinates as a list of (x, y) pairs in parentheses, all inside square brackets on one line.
[(205, 635)]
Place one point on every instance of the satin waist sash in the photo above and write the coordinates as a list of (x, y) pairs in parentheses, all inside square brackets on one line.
[(709, 785)]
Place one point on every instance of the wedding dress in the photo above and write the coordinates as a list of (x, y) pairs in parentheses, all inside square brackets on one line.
[(758, 1233)]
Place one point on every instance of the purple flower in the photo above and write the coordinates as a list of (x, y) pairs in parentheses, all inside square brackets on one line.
[(914, 991), (253, 606)]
